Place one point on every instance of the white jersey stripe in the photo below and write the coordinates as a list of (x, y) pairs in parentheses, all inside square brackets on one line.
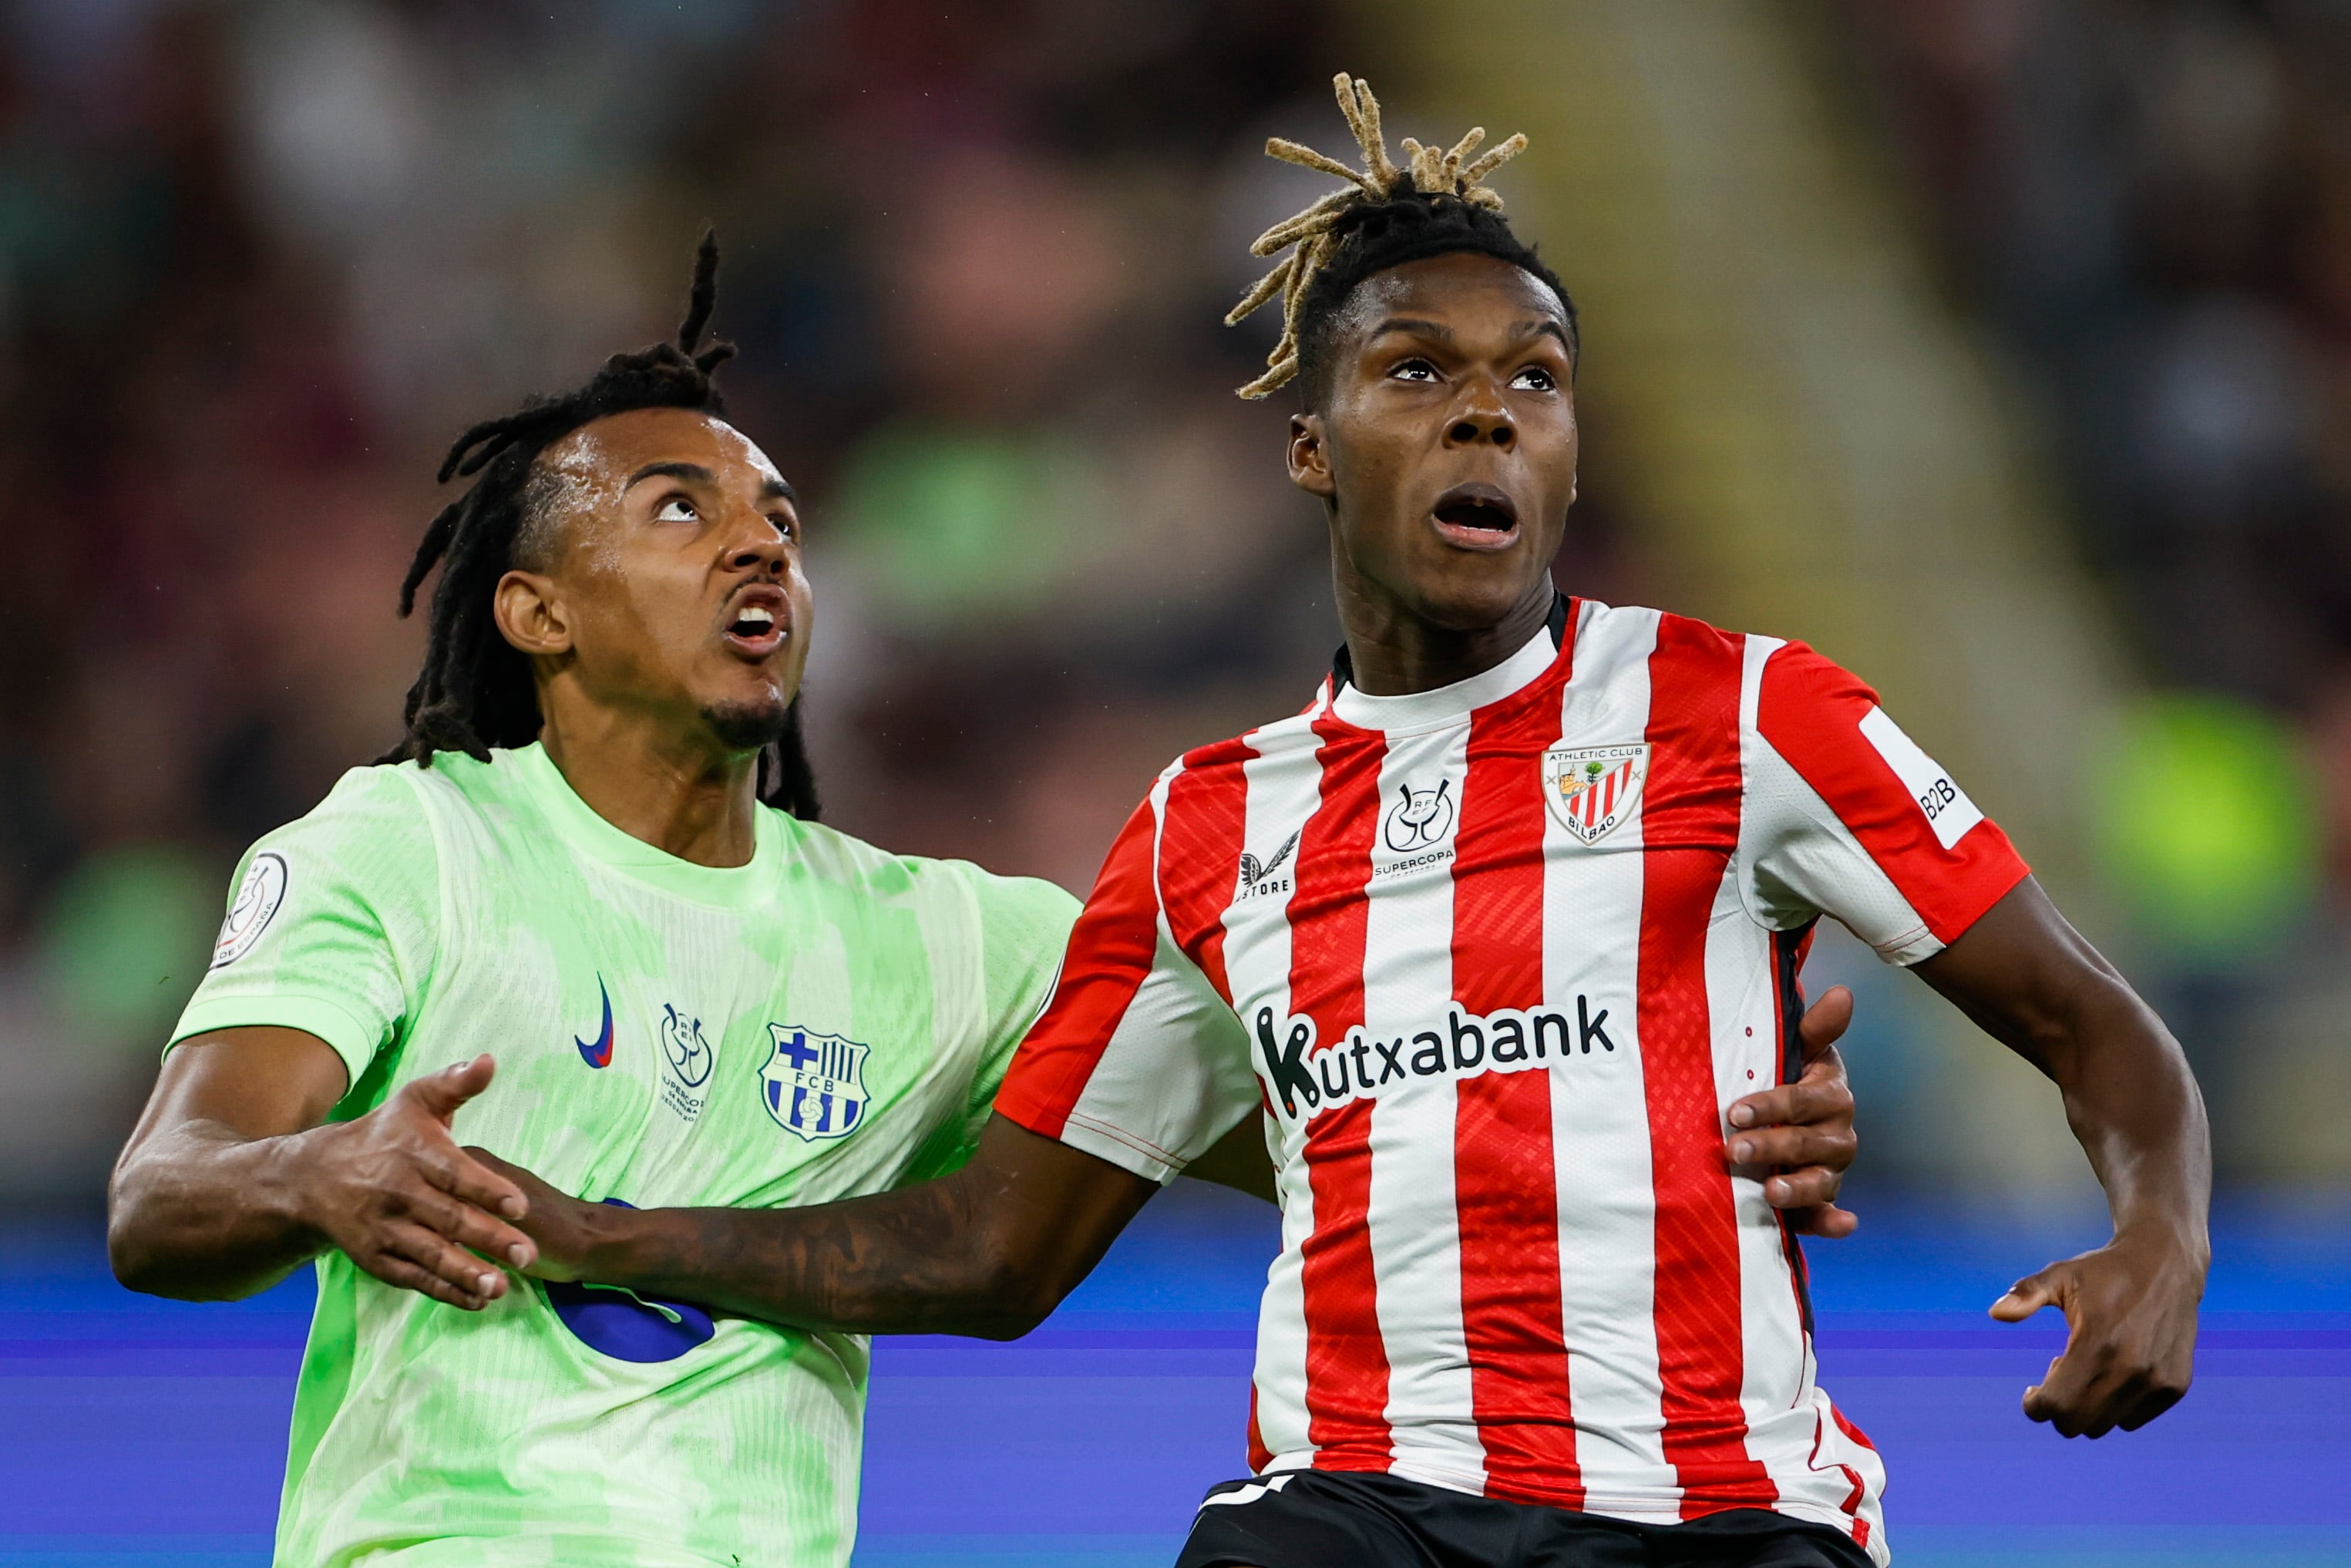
[(1284, 790), (1601, 1140), (1416, 1232)]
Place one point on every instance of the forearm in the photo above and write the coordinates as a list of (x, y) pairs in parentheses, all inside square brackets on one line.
[(204, 1214), (914, 1261), (2037, 986), (2135, 1107)]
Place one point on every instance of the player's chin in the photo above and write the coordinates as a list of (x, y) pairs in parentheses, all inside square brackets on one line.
[(1465, 593), (749, 721)]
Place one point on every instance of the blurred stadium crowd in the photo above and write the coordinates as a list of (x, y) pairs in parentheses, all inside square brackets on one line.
[(2151, 202), (259, 261)]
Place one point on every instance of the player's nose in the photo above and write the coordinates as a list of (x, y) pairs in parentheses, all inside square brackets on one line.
[(1481, 417), (756, 544)]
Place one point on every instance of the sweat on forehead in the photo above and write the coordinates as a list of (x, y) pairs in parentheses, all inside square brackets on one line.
[(586, 473)]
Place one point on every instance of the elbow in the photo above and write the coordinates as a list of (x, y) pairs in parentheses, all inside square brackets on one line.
[(137, 1249), (130, 1251), (1015, 1294)]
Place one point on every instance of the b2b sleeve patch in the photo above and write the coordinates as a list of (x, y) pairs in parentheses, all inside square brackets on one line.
[(1947, 809), (257, 898)]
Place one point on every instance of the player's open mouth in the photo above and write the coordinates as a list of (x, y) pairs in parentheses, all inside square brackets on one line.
[(758, 622), (1476, 516)]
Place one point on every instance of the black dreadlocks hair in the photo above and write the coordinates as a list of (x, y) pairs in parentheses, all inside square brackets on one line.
[(1436, 204), (476, 689)]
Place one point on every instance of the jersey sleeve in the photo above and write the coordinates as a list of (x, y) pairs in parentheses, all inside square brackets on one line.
[(1024, 924), (1847, 817), (332, 924), (1137, 1059)]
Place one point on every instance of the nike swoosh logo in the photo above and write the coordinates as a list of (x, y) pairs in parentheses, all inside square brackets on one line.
[(598, 1053)]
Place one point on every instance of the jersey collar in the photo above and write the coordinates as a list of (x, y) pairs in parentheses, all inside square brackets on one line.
[(578, 825), (1412, 710)]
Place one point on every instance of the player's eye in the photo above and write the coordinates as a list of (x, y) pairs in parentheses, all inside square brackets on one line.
[(1535, 378), (1414, 370), (677, 509), (785, 524)]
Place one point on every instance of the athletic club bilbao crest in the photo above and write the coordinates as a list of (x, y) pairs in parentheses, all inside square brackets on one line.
[(814, 1085), (1591, 789)]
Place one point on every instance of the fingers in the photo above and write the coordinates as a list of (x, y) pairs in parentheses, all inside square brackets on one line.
[(1824, 1219), (1830, 1147), (1824, 1023), (461, 1175), (2026, 1297), (1806, 1187), (467, 1226), (440, 1094), (438, 1267), (1819, 1097)]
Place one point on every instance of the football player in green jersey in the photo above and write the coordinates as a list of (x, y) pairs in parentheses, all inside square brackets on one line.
[(698, 996)]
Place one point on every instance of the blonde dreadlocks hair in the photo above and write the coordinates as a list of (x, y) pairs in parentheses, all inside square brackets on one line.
[(1437, 202)]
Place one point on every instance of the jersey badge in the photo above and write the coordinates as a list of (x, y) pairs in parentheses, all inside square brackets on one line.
[(688, 1057), (1258, 878), (257, 898), (682, 1042), (598, 1052), (1420, 817), (1592, 788), (814, 1085)]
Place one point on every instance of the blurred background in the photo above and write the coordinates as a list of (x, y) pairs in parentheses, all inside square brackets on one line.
[(2000, 349)]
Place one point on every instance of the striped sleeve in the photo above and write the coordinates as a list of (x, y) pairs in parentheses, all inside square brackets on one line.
[(1137, 1059), (1847, 817)]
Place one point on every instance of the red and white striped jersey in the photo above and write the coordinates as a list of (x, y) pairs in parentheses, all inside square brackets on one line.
[(1492, 961)]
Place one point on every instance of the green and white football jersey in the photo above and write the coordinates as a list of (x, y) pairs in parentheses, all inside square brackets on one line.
[(825, 1021)]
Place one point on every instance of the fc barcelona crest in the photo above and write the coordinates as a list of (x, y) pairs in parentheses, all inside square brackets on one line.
[(1591, 789), (814, 1085)]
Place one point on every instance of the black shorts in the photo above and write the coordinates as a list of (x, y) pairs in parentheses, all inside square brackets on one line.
[(1337, 1519)]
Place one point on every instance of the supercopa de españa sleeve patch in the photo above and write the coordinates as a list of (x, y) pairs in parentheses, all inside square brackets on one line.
[(257, 898)]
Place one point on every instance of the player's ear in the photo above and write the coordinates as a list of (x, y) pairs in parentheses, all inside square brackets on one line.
[(1309, 459), (530, 614)]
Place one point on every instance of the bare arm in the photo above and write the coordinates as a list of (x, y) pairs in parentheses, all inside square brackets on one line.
[(1238, 1160), (231, 1181), (2031, 982), (989, 1251)]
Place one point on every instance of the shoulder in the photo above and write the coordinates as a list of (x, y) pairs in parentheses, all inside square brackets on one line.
[(382, 800), (1794, 676), (855, 865), (1695, 658)]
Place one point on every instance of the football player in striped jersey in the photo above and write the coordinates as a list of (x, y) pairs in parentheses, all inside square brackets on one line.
[(1491, 942)]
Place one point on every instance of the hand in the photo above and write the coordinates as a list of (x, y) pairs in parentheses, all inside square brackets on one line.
[(1805, 1128), (2130, 1346), (562, 1226), (393, 1190)]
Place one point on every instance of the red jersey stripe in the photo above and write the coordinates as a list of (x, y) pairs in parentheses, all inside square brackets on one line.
[(1110, 953), (1690, 829), (1346, 1359), (1200, 852), (1505, 1185), (1811, 712)]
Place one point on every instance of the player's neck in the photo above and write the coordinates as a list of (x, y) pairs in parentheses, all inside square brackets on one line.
[(1395, 652), (671, 790)]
